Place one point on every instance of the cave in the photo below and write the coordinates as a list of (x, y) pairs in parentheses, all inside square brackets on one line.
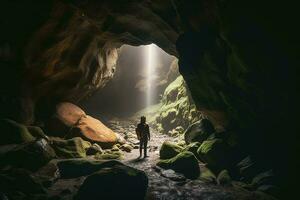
[(216, 80)]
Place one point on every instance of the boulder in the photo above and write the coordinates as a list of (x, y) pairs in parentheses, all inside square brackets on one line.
[(214, 153), (199, 131), (224, 178), (76, 167), (116, 182), (169, 150), (71, 121), (109, 155), (94, 130), (13, 133), (94, 149), (15, 181), (71, 148), (207, 175), (32, 155), (170, 174), (126, 147), (184, 162), (193, 147)]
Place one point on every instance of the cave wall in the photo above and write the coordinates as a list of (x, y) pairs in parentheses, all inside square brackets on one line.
[(237, 58)]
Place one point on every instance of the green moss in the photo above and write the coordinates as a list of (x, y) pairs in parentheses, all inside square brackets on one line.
[(193, 147), (110, 155), (169, 150), (214, 152), (72, 148), (184, 162), (207, 175)]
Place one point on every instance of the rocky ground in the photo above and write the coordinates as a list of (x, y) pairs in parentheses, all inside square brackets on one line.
[(169, 185)]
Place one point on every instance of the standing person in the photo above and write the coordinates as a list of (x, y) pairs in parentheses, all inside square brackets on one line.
[(143, 134)]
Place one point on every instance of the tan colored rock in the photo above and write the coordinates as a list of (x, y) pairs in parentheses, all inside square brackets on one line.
[(69, 113), (95, 131), (71, 121)]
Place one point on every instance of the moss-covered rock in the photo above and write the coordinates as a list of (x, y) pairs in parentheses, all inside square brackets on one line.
[(184, 162), (94, 149), (13, 132), (126, 147), (72, 148), (73, 168), (116, 182), (207, 175), (31, 155), (224, 178), (177, 108), (169, 150), (214, 153), (37, 132), (199, 131), (109, 155), (193, 147)]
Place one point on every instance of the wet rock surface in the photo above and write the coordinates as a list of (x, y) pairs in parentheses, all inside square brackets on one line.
[(169, 185)]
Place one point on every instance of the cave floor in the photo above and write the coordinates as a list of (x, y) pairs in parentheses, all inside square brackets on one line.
[(168, 185)]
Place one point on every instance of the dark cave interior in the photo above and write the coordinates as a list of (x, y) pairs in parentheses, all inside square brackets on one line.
[(224, 119)]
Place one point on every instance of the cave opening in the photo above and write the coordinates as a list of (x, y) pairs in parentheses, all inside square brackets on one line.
[(76, 76)]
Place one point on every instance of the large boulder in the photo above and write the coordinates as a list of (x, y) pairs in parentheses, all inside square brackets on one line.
[(199, 131), (71, 121), (93, 130), (116, 182), (13, 133), (32, 155), (169, 150), (73, 168), (214, 152), (184, 162), (71, 148)]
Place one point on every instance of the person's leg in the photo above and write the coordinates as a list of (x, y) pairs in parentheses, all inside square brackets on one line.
[(145, 148), (141, 147)]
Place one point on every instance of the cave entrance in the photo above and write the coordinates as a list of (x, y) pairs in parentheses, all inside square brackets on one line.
[(146, 82)]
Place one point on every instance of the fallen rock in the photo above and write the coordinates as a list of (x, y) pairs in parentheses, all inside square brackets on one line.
[(126, 147), (224, 178), (207, 175), (73, 168), (94, 149), (199, 131), (71, 121), (214, 153), (32, 155), (116, 182), (93, 130), (14, 133), (169, 150), (170, 174), (71, 148), (109, 155), (184, 162), (19, 181), (193, 147)]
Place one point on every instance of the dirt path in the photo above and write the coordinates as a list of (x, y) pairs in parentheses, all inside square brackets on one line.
[(166, 184)]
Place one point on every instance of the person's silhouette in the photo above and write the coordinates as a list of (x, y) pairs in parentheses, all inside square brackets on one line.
[(143, 134)]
